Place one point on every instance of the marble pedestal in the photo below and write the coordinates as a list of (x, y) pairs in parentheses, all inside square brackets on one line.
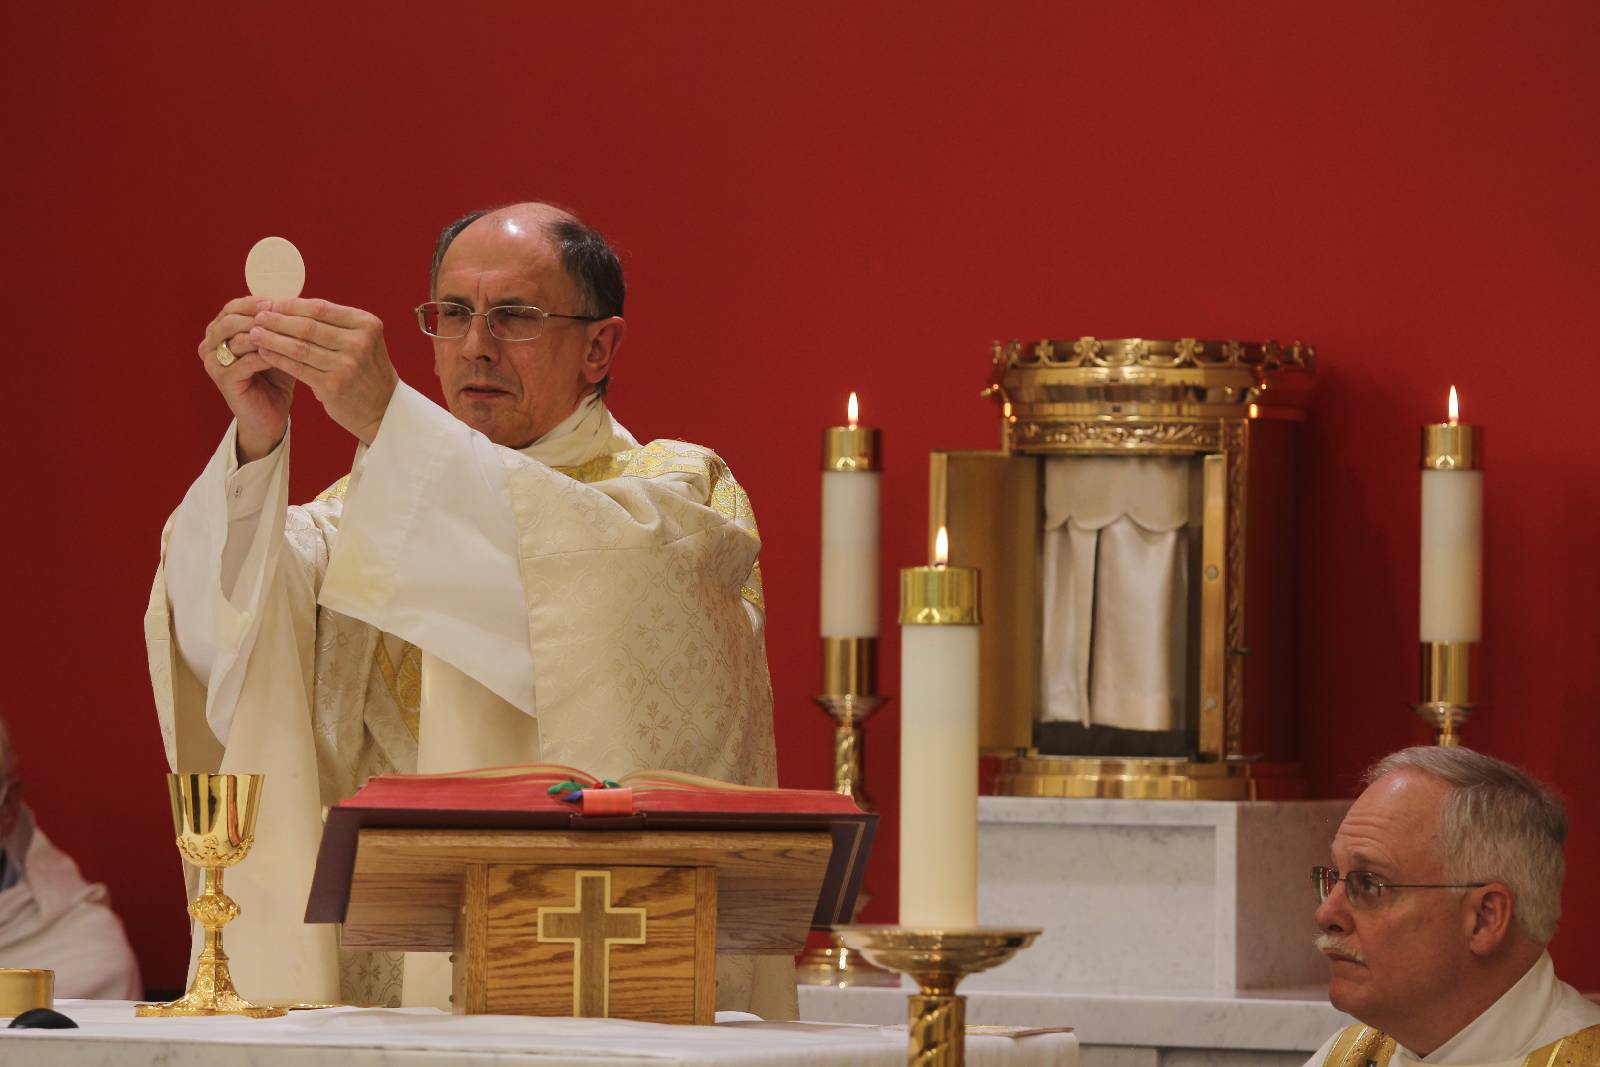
[(1202, 898), (1176, 934)]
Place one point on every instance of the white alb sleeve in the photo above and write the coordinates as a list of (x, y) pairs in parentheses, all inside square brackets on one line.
[(427, 547), (225, 537)]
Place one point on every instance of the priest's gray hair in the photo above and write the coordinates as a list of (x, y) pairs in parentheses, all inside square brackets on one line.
[(586, 256), (1498, 824)]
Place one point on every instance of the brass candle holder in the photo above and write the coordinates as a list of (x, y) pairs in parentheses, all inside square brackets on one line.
[(937, 960), (214, 816), (849, 682), (1448, 671)]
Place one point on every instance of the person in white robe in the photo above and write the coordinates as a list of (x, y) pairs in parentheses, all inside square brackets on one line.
[(50, 917), (1434, 922), (513, 580)]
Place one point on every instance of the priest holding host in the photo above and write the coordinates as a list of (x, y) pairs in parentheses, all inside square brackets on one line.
[(510, 579), (1446, 890)]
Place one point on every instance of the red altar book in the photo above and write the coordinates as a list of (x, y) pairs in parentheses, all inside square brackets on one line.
[(554, 797)]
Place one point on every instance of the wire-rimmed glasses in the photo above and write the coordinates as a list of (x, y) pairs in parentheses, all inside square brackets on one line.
[(1363, 889), (509, 322)]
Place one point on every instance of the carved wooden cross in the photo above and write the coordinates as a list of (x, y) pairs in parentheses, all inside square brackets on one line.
[(592, 926)]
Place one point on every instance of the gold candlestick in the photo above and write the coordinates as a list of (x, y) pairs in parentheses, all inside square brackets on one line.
[(849, 681), (214, 816), (937, 960)]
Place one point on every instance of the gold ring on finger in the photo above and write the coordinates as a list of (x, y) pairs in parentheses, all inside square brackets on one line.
[(225, 356)]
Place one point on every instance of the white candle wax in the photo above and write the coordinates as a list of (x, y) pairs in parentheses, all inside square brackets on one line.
[(939, 776), (850, 553), (1452, 555)]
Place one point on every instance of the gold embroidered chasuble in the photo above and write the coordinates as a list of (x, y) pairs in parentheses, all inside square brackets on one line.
[(1362, 1046), (645, 621)]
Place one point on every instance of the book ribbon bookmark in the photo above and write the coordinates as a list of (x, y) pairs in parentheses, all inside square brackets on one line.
[(607, 798)]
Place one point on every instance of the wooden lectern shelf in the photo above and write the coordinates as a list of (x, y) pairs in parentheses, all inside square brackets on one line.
[(549, 912)]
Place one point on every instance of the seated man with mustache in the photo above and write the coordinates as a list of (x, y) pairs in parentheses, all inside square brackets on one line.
[(1435, 921)]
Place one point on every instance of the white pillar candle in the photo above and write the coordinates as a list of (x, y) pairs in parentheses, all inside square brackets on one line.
[(939, 747), (850, 493), (1452, 532)]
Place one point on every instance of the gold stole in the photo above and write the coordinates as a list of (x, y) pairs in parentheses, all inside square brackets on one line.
[(1362, 1046)]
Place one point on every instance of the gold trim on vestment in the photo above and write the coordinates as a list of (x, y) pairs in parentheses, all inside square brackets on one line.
[(404, 682), (336, 491), (1579, 1049), (1362, 1046)]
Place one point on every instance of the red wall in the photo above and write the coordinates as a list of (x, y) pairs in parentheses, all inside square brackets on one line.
[(814, 198)]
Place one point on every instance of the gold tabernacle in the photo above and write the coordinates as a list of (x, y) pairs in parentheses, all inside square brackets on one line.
[(1206, 435), (214, 816)]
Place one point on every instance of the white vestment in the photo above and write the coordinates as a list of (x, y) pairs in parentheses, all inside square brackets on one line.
[(51, 919), (1536, 1011), (1118, 534), (588, 601)]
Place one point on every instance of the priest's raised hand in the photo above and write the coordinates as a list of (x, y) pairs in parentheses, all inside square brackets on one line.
[(258, 395), (337, 351)]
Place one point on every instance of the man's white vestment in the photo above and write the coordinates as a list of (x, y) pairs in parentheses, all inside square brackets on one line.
[(1538, 1010), (596, 602), (51, 918)]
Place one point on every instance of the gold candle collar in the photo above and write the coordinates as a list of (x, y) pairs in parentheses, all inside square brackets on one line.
[(1451, 446), (23, 989), (938, 596), (850, 448)]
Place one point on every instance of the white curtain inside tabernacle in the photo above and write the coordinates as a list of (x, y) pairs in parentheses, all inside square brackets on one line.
[(1119, 532)]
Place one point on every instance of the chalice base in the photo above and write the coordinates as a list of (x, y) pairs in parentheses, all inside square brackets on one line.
[(211, 993)]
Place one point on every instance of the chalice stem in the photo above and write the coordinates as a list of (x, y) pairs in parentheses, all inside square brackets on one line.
[(938, 1030), (214, 909)]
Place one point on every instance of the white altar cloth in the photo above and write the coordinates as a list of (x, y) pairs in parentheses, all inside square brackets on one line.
[(110, 1036)]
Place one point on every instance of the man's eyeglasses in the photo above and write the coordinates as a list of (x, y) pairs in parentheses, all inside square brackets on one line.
[(1363, 889), (510, 322)]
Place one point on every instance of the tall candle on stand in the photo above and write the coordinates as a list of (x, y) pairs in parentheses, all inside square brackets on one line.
[(1451, 616), (939, 744), (850, 463), (1452, 530)]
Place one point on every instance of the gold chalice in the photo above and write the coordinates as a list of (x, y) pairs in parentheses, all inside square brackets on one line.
[(214, 816)]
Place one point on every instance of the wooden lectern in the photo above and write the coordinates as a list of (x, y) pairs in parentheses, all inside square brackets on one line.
[(549, 911)]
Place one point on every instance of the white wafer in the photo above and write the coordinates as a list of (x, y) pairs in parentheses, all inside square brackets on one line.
[(274, 269)]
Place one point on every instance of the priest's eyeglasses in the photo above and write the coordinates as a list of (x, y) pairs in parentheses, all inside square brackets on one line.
[(509, 322), (1363, 889)]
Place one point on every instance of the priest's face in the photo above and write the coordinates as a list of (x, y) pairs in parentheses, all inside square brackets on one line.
[(515, 392), (1392, 962)]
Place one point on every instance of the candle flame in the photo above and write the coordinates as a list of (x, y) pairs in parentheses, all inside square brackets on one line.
[(1455, 406), (1006, 411), (853, 410), (941, 548), (1255, 412)]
